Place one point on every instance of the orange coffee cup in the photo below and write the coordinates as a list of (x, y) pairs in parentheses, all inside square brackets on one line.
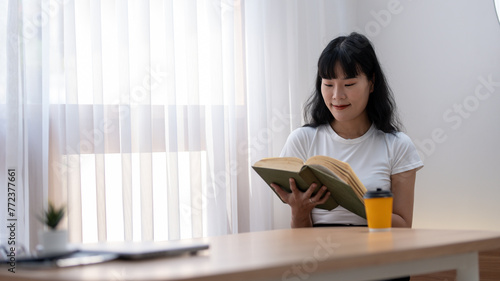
[(378, 206)]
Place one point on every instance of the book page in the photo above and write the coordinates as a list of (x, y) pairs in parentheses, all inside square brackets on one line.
[(343, 194), (292, 164), (342, 169), (326, 170)]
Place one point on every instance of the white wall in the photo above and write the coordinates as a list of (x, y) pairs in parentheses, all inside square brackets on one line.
[(436, 55)]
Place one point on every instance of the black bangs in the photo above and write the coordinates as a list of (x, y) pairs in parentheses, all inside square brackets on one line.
[(329, 59)]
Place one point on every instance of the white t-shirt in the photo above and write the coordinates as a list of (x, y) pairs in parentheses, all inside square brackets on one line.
[(374, 157)]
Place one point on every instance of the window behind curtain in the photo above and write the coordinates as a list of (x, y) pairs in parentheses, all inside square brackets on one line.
[(144, 117)]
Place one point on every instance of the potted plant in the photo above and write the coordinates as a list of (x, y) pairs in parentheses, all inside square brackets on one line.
[(53, 240)]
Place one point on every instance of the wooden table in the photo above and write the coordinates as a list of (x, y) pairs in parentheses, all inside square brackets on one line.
[(299, 254)]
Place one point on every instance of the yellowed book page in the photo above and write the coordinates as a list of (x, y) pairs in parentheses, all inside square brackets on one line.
[(292, 164), (343, 194), (326, 170), (357, 184), (331, 164), (342, 169)]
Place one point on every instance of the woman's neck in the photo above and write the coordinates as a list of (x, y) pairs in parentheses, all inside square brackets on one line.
[(351, 130)]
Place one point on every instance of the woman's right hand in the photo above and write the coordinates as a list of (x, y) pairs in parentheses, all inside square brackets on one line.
[(302, 203)]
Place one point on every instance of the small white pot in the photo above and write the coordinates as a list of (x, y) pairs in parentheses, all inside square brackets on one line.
[(53, 241)]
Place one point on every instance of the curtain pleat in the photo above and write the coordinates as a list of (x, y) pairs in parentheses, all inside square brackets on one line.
[(13, 128), (71, 154), (128, 211)]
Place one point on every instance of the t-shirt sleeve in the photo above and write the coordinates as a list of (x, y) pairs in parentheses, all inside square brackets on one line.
[(297, 144), (404, 155)]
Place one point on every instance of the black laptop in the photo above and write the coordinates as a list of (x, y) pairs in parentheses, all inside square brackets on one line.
[(146, 250)]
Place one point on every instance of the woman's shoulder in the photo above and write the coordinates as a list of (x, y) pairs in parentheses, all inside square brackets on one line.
[(300, 140), (397, 138), (306, 132), (396, 141), (402, 151)]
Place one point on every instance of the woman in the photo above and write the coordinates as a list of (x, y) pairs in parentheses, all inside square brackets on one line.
[(352, 118)]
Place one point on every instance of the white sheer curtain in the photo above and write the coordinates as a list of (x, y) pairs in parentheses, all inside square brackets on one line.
[(144, 117), (23, 127)]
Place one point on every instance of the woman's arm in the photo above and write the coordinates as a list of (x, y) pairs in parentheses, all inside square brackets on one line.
[(403, 186), (302, 203)]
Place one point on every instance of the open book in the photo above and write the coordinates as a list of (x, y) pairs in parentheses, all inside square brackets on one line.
[(345, 188)]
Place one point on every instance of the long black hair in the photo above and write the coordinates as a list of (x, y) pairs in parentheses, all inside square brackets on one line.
[(355, 54)]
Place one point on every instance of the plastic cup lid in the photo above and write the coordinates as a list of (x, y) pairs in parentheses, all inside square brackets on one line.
[(378, 193)]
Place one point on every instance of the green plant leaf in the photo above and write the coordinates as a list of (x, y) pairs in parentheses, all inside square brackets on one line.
[(53, 216)]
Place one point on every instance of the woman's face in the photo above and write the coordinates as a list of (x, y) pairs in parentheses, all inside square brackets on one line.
[(346, 97)]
